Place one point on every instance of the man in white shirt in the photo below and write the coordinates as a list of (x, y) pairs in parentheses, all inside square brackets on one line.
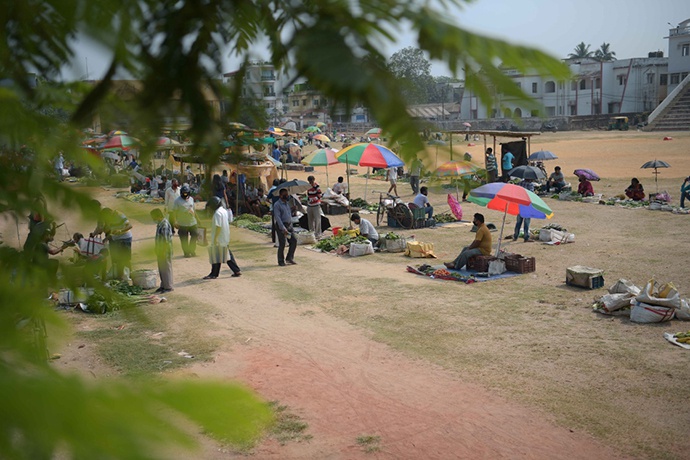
[(366, 228), (185, 221), (422, 201), (340, 187), (219, 247)]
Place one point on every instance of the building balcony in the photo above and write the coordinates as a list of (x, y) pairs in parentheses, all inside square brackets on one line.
[(679, 31)]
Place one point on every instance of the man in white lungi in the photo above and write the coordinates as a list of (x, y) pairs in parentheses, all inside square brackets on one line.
[(219, 248)]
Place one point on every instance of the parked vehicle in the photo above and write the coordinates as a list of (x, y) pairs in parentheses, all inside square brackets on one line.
[(548, 127), (619, 123)]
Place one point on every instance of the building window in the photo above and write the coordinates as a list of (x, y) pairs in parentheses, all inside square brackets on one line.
[(304, 102), (550, 111), (650, 78), (507, 113), (663, 79), (534, 87), (315, 103), (583, 84), (518, 113), (550, 87), (560, 85), (685, 49), (621, 80), (675, 78)]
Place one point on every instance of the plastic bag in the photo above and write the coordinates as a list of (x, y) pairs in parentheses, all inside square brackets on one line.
[(613, 302), (305, 237), (417, 249), (497, 267), (623, 286), (664, 296), (645, 313), (361, 249), (683, 312)]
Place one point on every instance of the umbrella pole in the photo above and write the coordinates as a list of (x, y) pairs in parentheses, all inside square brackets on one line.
[(500, 237), (328, 181), (349, 191), (366, 184), (656, 180)]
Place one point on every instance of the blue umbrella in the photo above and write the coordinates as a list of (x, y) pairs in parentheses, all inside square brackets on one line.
[(542, 155)]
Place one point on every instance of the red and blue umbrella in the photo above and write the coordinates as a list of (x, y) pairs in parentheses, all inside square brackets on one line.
[(120, 142), (511, 199), (369, 155)]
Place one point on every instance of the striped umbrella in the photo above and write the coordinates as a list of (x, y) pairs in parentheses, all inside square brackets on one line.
[(322, 137), (374, 133), (321, 157), (120, 142), (369, 155), (511, 199), (456, 169)]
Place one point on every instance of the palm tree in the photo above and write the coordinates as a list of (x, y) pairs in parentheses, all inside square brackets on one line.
[(604, 53), (581, 51)]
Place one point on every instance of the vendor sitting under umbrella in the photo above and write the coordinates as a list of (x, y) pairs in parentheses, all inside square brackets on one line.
[(481, 246), (635, 191), (585, 188)]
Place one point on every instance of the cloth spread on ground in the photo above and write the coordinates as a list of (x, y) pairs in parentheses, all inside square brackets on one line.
[(465, 276)]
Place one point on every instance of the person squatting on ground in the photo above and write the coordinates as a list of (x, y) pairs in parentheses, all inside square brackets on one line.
[(164, 250), (366, 229), (185, 221), (481, 246), (219, 248), (283, 218), (635, 190), (314, 207), (556, 180), (585, 188)]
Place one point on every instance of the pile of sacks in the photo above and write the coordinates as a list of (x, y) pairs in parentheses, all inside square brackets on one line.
[(653, 304)]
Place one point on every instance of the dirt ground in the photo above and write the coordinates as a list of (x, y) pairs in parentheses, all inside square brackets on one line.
[(516, 368)]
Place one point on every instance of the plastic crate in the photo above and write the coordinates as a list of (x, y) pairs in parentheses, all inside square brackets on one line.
[(479, 263), (584, 277), (392, 222), (521, 264)]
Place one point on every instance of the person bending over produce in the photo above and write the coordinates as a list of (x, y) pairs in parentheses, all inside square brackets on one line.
[(366, 229), (481, 246)]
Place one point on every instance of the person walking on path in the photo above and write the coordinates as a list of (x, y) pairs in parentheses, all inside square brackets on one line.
[(314, 207), (283, 218), (171, 194), (219, 249), (529, 185), (393, 178), (164, 250), (185, 221)]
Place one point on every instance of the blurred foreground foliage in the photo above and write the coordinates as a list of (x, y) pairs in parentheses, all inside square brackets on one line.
[(175, 51)]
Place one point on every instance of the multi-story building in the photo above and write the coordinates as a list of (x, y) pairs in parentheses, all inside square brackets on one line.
[(623, 86), (678, 54), (263, 83)]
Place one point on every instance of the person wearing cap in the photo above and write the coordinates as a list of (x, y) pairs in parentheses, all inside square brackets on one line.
[(366, 229), (219, 248), (185, 221), (164, 250), (556, 180), (685, 191)]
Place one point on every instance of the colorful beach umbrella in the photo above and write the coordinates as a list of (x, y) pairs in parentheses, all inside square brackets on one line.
[(320, 124), (120, 142), (369, 155), (321, 157), (166, 142), (455, 169), (374, 133), (322, 137), (276, 131), (511, 199), (312, 129), (116, 132)]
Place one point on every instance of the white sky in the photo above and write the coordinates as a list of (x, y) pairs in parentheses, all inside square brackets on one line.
[(632, 27)]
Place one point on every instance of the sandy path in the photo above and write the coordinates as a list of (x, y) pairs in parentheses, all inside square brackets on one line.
[(345, 385)]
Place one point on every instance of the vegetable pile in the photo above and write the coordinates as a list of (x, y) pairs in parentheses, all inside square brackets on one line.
[(444, 217), (334, 242), (253, 223), (392, 236), (682, 337), (139, 198)]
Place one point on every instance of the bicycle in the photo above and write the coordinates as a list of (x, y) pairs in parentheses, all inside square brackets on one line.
[(395, 207)]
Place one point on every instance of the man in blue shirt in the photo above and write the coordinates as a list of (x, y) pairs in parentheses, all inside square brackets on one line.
[(276, 152), (282, 214), (507, 165)]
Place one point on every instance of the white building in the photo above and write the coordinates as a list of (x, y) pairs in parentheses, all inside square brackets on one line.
[(678, 54), (263, 83), (623, 86)]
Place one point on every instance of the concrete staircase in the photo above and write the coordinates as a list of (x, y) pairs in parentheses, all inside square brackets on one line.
[(676, 114)]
